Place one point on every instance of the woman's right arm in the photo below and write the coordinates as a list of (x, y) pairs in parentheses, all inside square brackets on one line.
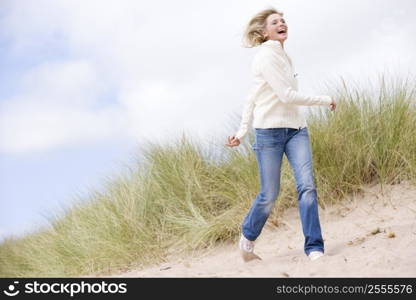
[(247, 116)]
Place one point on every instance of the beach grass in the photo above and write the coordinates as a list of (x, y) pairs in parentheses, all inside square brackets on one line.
[(178, 199)]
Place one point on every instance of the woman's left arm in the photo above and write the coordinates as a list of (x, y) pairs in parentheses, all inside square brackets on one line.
[(271, 66)]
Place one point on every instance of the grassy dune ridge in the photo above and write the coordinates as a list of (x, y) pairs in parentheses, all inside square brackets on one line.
[(177, 199)]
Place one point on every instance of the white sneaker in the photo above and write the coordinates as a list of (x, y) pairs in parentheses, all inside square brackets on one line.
[(247, 247), (245, 244), (315, 255)]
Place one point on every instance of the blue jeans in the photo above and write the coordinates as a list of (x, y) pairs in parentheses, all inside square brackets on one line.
[(269, 146)]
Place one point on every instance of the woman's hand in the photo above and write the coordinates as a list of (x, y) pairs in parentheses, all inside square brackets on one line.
[(233, 141), (333, 105)]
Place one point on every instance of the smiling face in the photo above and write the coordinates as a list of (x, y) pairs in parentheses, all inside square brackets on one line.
[(276, 28)]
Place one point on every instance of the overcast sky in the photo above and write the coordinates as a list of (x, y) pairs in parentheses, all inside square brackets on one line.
[(84, 83)]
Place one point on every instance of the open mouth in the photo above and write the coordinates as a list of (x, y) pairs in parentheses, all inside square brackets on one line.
[(281, 31)]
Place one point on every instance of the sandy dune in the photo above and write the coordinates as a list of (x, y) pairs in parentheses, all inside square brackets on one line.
[(372, 235)]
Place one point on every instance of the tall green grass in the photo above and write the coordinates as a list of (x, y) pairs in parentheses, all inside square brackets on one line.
[(178, 198)]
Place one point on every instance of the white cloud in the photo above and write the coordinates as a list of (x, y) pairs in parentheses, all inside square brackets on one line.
[(57, 106), (114, 68)]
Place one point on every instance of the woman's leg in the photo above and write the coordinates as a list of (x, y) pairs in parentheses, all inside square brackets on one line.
[(269, 147), (298, 152)]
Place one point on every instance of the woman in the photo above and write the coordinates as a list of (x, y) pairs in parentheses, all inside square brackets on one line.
[(273, 108)]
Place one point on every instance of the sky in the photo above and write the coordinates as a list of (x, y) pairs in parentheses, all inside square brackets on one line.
[(84, 83)]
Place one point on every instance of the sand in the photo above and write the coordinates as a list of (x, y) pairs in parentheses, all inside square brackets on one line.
[(370, 235)]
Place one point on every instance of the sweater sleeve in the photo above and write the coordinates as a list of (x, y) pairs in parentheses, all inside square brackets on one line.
[(271, 66), (247, 117)]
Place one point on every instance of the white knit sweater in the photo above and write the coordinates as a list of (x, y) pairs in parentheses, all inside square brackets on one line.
[(274, 100)]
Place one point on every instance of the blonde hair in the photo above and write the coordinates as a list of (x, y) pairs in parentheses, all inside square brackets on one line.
[(253, 34)]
